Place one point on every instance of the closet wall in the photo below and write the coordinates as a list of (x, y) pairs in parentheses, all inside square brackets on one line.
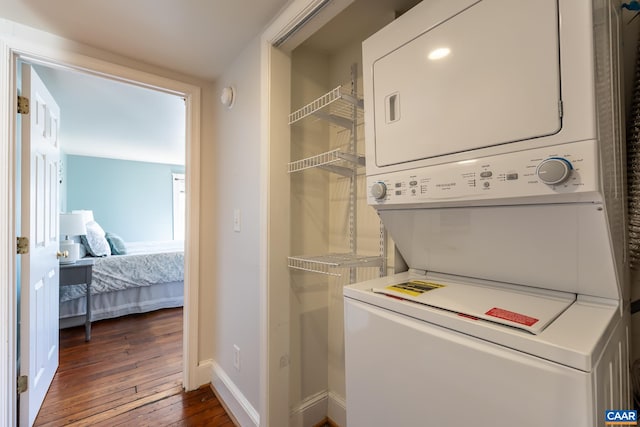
[(310, 212), (320, 213)]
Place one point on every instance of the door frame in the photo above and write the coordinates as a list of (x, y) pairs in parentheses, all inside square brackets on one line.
[(12, 50)]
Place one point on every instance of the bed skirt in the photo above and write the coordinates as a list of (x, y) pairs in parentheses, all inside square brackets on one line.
[(120, 303)]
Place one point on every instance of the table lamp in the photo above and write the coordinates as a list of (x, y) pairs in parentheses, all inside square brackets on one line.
[(71, 225)]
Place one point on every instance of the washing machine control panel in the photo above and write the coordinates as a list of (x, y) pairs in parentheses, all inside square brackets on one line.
[(568, 169)]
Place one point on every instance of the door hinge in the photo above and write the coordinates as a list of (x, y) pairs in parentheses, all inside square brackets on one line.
[(23, 105), (23, 245), (23, 383)]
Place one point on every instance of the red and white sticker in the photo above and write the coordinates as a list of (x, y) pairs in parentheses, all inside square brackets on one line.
[(512, 316)]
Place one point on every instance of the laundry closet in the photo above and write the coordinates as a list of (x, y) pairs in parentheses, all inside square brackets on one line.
[(462, 226), (335, 237)]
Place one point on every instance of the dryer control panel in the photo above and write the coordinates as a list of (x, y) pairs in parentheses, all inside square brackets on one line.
[(568, 170)]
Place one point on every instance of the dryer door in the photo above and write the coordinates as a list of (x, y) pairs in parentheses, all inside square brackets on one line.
[(483, 76)]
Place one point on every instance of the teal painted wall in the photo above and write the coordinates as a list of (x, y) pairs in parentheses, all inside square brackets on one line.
[(128, 198)]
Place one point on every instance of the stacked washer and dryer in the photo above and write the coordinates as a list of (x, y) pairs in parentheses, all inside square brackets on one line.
[(495, 159)]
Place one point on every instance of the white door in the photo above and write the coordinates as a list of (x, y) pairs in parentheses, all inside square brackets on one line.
[(40, 270)]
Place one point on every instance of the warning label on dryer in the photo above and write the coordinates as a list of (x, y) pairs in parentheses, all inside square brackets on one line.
[(512, 316)]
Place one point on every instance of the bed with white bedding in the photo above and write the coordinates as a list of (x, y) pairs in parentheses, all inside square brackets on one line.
[(150, 276)]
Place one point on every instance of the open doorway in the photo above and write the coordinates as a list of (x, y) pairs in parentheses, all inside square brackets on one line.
[(107, 170), (190, 95), (121, 146)]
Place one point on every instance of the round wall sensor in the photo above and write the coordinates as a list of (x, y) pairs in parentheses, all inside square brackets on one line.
[(228, 96)]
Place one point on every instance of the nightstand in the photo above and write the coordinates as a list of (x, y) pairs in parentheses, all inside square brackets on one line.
[(79, 273)]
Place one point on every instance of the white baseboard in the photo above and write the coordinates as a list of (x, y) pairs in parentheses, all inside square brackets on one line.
[(317, 407), (203, 373), (232, 398), (337, 409), (311, 411)]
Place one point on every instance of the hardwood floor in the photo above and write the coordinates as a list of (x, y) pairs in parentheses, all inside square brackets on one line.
[(129, 374)]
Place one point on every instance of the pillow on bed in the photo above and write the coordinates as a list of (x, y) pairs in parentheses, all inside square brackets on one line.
[(94, 241), (116, 244)]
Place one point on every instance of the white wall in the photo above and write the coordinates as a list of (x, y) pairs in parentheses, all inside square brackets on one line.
[(231, 176), (320, 224), (310, 209)]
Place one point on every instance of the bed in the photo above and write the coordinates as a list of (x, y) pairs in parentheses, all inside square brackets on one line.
[(149, 276)]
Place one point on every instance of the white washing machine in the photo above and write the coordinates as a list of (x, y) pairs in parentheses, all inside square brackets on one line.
[(495, 159)]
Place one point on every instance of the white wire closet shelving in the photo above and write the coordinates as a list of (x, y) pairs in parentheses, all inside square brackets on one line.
[(344, 109), (336, 106), (337, 161), (330, 264)]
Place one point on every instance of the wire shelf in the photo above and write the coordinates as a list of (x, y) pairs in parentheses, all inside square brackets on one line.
[(326, 264), (336, 106), (336, 161)]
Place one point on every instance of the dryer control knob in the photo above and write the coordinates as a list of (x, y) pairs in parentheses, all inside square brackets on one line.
[(379, 190), (554, 170)]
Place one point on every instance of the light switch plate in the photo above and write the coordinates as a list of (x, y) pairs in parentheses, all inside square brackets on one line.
[(236, 220)]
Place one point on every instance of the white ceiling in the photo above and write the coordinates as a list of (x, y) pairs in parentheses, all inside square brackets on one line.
[(195, 37), (104, 118)]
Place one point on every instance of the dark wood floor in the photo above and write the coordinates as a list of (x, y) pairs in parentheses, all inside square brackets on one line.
[(129, 374)]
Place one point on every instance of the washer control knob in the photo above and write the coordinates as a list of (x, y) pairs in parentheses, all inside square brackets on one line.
[(554, 170), (379, 190)]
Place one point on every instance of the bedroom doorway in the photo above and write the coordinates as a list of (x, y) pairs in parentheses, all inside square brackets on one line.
[(106, 154), (191, 96), (118, 165)]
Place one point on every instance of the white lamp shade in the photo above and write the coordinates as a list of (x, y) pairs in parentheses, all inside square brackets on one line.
[(72, 224), (86, 214)]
